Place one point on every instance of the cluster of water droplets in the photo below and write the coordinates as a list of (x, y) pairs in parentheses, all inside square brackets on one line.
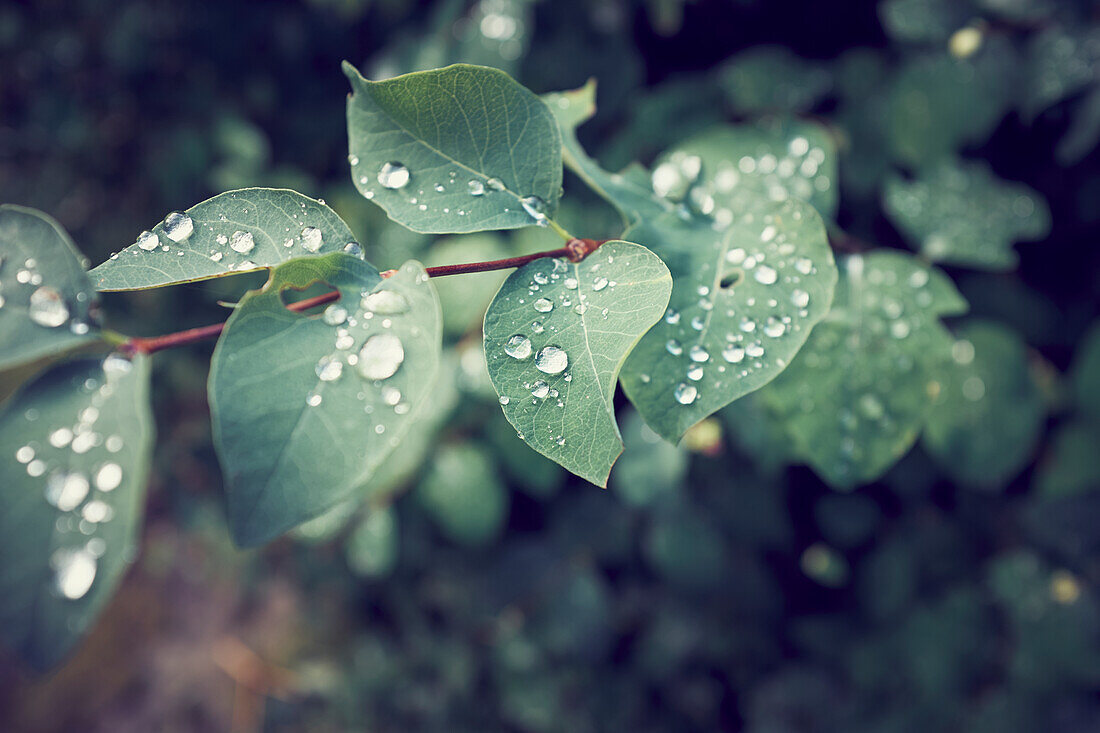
[(452, 194), (79, 464), (233, 246), (46, 305), (756, 296)]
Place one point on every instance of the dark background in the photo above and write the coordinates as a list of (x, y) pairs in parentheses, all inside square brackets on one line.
[(743, 594)]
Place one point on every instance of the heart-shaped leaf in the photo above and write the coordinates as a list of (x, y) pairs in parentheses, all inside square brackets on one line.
[(629, 192), (233, 232), (779, 160), (334, 392), (76, 445), (743, 302), (45, 295), (460, 149), (985, 426), (860, 391), (962, 214), (556, 336)]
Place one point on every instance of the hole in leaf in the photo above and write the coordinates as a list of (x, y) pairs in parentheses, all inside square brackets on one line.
[(731, 278)]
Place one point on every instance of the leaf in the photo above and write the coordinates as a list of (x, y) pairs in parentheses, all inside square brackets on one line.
[(1060, 63), (650, 467), (305, 409), (556, 336), (778, 160), (984, 429), (744, 299), (960, 213), (630, 194), (1085, 373), (464, 299), (462, 493), (772, 79), (858, 394), (1070, 466), (454, 150), (76, 444), (372, 548), (233, 232), (45, 296), (931, 21)]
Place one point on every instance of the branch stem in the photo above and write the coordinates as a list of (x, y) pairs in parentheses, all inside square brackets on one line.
[(575, 250)]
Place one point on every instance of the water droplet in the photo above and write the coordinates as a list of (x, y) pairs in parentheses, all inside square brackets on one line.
[(551, 360), (381, 356), (918, 279), (476, 188), (673, 347), (685, 393), (672, 316), (178, 226), (899, 329), (495, 183), (765, 275), (800, 298), (47, 307), (774, 327), (543, 305), (518, 346), (733, 354), (535, 208), (540, 389), (695, 373), (329, 369), (75, 572), (61, 437), (311, 239), (385, 302), (804, 265), (871, 406), (97, 511), (66, 490), (242, 242), (148, 241), (698, 354), (354, 249), (504, 399), (335, 314), (313, 399), (108, 477), (393, 175), (599, 283), (754, 350)]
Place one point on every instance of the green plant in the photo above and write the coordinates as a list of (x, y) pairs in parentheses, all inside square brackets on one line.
[(722, 284)]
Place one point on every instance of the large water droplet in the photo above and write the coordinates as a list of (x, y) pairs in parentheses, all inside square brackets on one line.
[(685, 393), (385, 302), (311, 239), (381, 356), (518, 346), (242, 242), (551, 360), (148, 241), (535, 208), (178, 226), (543, 305), (75, 571), (47, 307), (393, 175)]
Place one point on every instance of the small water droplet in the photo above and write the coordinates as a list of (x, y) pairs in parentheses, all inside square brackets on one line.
[(385, 302), (242, 242), (733, 354), (543, 305), (774, 328), (804, 265), (178, 226), (495, 183), (672, 316), (673, 347), (393, 175), (504, 399), (329, 368), (540, 390), (765, 275), (800, 298), (335, 314), (535, 208), (476, 188), (108, 477), (381, 356), (354, 249), (685, 393), (66, 490), (551, 360), (599, 283), (518, 346), (698, 354), (75, 572)]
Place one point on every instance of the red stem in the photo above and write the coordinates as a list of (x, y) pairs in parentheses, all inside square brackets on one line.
[(576, 250)]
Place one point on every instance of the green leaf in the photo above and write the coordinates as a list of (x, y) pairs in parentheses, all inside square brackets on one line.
[(1070, 466), (778, 159), (371, 549), (76, 445), (45, 295), (960, 213), (930, 21), (990, 413), (464, 299), (1061, 62), (630, 193), (233, 232), (333, 394), (858, 394), (462, 493), (556, 336), (423, 144), (650, 467), (772, 79), (744, 300), (1086, 373)]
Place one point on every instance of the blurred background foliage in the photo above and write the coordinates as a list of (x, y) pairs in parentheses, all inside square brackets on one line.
[(717, 585)]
